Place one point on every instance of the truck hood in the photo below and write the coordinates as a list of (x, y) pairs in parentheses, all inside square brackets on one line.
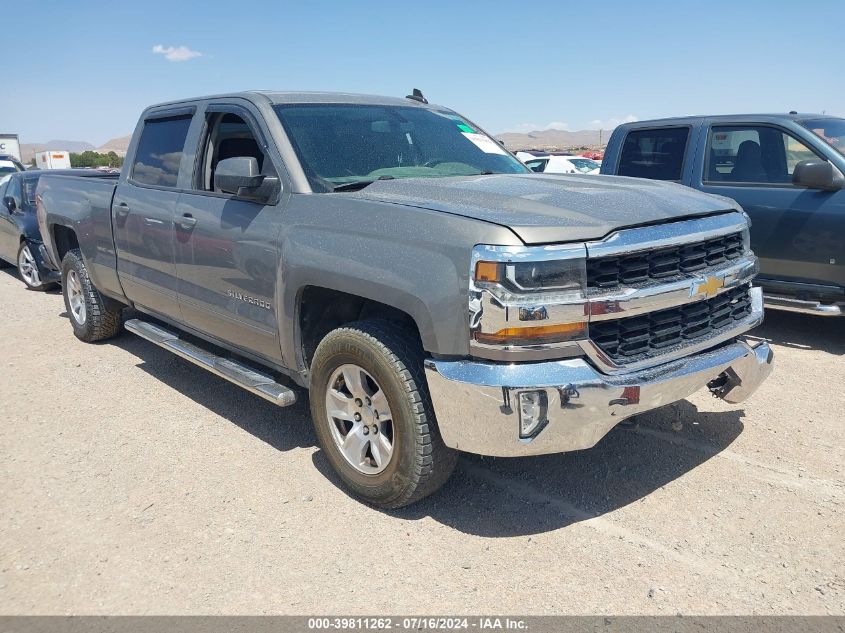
[(544, 209)]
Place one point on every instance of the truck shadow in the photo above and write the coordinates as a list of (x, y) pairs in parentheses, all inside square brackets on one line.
[(487, 496), (501, 497), (803, 331), (283, 429)]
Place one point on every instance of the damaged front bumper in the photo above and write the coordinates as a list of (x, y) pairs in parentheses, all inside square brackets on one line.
[(479, 404)]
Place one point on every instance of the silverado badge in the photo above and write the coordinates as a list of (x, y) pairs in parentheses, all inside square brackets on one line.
[(709, 287)]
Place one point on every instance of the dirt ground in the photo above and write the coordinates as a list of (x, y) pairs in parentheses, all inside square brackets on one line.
[(134, 483)]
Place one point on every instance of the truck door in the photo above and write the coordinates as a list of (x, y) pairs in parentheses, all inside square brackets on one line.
[(796, 232), (143, 211), (227, 249)]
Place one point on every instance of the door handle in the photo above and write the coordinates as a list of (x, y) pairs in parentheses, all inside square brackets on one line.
[(122, 210), (186, 222)]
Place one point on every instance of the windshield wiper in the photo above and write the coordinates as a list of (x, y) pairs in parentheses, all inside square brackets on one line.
[(357, 185)]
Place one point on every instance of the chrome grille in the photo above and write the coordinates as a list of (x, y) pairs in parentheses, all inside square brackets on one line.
[(637, 338), (635, 269)]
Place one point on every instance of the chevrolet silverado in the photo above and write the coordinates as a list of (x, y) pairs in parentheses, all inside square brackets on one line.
[(431, 293)]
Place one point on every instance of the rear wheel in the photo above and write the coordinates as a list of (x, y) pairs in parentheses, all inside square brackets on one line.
[(373, 416), (93, 317), (28, 268)]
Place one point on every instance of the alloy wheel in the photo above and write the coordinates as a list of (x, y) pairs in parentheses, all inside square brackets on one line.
[(75, 297), (360, 419), (28, 268)]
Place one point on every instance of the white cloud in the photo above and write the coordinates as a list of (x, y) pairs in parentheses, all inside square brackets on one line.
[(176, 53), (612, 122)]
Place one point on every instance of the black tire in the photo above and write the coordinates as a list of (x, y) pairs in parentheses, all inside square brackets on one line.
[(34, 260), (420, 462), (102, 317)]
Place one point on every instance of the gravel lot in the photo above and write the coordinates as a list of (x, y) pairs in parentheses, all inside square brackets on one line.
[(135, 483)]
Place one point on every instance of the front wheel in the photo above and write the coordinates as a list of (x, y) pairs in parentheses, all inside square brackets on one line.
[(373, 416), (92, 316), (28, 268)]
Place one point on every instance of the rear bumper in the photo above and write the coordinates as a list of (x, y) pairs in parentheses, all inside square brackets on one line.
[(477, 403)]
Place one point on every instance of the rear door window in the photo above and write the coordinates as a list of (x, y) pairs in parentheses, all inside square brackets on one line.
[(159, 152), (657, 154)]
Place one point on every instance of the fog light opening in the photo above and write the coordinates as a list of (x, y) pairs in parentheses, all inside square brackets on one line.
[(533, 411)]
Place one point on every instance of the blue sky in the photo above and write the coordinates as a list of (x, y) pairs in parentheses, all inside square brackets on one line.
[(85, 70)]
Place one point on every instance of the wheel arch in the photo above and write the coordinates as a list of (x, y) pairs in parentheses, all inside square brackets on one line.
[(320, 309), (64, 239)]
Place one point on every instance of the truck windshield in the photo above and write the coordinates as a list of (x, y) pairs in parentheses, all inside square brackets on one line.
[(831, 130), (340, 145)]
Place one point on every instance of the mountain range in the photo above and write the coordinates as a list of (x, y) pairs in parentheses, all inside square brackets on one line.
[(553, 140), (28, 150), (116, 145)]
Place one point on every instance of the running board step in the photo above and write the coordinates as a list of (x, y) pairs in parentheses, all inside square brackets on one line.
[(241, 375)]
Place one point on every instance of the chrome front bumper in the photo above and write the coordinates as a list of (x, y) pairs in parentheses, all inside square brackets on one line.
[(791, 304), (477, 408)]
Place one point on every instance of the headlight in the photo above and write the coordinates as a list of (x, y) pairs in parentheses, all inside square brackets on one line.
[(564, 275), (528, 296)]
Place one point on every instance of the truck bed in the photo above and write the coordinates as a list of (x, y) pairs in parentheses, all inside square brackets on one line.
[(83, 203)]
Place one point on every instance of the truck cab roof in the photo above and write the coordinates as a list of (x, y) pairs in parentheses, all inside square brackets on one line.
[(733, 118), (283, 97)]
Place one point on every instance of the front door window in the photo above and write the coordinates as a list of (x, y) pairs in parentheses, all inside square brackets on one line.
[(754, 154)]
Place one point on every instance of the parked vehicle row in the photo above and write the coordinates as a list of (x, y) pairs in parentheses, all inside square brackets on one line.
[(558, 164), (786, 171), (431, 292)]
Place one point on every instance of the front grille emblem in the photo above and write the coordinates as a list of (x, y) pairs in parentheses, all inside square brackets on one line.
[(709, 287)]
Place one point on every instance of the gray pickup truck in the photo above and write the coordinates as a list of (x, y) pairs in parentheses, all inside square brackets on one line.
[(431, 293)]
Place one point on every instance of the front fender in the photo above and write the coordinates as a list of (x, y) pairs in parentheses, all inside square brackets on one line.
[(411, 259)]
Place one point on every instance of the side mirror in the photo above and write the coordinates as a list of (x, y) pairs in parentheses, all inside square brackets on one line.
[(818, 174), (9, 203), (236, 174)]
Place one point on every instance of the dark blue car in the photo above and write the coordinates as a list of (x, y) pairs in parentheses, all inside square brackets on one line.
[(787, 173), (20, 238)]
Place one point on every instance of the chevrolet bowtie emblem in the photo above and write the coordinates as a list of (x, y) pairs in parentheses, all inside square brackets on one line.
[(708, 287)]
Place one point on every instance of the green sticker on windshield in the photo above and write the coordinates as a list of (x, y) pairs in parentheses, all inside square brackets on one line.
[(465, 128)]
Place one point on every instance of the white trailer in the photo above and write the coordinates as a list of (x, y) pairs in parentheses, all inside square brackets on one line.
[(10, 145), (52, 159)]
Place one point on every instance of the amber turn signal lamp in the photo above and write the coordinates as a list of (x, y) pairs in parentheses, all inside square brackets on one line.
[(534, 335), (488, 271)]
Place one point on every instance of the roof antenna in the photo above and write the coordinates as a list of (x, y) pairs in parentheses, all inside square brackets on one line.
[(417, 95)]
